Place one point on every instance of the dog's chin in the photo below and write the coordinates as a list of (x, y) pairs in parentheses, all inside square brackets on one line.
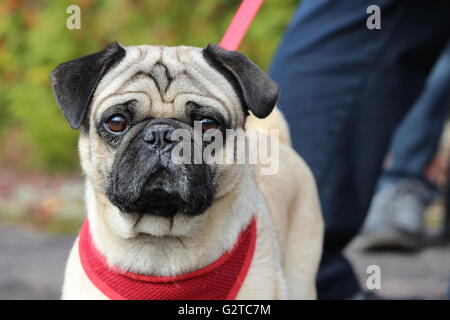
[(152, 227), (161, 202), (156, 216)]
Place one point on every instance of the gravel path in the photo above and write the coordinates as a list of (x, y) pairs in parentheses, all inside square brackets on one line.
[(423, 274), (32, 265)]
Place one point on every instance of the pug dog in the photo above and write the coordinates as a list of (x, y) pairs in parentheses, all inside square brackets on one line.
[(150, 217)]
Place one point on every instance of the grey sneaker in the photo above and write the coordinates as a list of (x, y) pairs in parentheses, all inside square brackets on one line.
[(396, 216)]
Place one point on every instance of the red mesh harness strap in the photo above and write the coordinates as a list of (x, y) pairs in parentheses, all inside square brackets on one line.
[(221, 280)]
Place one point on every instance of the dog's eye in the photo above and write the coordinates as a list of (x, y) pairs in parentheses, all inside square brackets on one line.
[(208, 123), (116, 123)]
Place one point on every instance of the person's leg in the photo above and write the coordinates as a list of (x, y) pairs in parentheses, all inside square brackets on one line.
[(396, 213), (416, 140), (344, 88), (446, 227)]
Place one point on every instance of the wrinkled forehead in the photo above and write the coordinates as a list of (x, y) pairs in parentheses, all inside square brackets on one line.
[(162, 80)]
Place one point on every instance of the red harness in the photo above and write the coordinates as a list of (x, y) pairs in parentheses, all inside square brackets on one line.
[(221, 280)]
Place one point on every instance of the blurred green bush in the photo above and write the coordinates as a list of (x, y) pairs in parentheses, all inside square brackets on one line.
[(34, 39)]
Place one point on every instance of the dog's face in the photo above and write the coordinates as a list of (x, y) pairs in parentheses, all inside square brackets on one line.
[(129, 101)]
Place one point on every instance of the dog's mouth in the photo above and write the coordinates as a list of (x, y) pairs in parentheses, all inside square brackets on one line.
[(147, 182), (159, 203), (155, 201), (163, 193)]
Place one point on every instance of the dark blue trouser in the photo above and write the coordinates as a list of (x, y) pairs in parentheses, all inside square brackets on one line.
[(416, 140), (344, 89)]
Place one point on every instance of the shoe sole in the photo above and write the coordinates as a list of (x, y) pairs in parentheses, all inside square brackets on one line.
[(391, 239)]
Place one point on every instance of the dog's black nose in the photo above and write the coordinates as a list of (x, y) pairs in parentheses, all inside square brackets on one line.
[(159, 136)]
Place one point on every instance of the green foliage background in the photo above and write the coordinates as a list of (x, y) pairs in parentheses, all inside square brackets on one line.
[(34, 39)]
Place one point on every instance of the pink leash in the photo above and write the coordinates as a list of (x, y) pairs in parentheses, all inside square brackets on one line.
[(240, 23)]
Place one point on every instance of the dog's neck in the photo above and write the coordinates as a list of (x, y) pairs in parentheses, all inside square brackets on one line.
[(211, 235)]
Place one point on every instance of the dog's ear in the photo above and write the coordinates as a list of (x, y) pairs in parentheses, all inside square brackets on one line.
[(257, 91), (74, 82)]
